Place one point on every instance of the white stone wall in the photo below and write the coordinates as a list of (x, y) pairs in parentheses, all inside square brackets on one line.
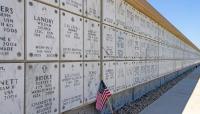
[(53, 53)]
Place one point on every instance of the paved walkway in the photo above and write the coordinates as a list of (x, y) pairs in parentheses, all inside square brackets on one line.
[(183, 98)]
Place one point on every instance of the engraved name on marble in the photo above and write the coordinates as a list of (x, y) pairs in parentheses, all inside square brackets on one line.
[(11, 88), (11, 30), (42, 88), (42, 31)]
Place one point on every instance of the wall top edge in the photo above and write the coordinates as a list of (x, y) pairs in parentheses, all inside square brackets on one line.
[(146, 8)]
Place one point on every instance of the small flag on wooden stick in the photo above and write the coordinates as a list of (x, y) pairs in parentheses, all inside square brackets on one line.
[(103, 95)]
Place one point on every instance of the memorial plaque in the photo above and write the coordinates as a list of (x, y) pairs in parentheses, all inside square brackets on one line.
[(154, 31), (157, 50), (91, 81), (108, 42), (143, 24), (154, 69), (71, 81), (51, 2), (109, 12), (137, 73), (12, 29), (75, 6), (130, 47), (120, 76), (92, 9), (153, 47), (109, 75), (71, 36), (154, 50), (129, 74), (142, 72), (42, 82), (129, 18), (148, 27), (120, 44), (157, 32), (149, 49), (153, 72), (160, 51), (11, 88), (137, 47), (165, 52), (161, 68), (120, 14), (137, 22), (143, 47), (91, 40), (42, 31), (148, 71), (157, 68)]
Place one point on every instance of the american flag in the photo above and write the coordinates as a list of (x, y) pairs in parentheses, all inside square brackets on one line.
[(102, 96)]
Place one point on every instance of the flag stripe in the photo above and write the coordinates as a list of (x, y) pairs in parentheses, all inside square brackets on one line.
[(103, 95)]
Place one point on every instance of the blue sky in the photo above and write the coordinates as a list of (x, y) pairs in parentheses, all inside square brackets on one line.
[(183, 14)]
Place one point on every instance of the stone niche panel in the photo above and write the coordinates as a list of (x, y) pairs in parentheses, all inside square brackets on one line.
[(42, 88), (42, 31), (108, 42), (71, 36), (91, 81), (109, 12), (71, 81), (11, 88), (75, 6), (109, 75), (92, 9), (91, 40), (11, 30)]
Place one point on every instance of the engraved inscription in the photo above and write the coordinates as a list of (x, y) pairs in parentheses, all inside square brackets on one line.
[(129, 74), (129, 18), (71, 85), (120, 44), (91, 40), (71, 36), (75, 6), (92, 9), (109, 75), (120, 76), (108, 42), (120, 14), (91, 80), (11, 88), (11, 30), (136, 73), (130, 47), (109, 12), (42, 32), (42, 88), (136, 47)]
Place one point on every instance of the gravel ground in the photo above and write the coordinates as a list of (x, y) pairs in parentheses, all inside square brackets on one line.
[(138, 105)]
